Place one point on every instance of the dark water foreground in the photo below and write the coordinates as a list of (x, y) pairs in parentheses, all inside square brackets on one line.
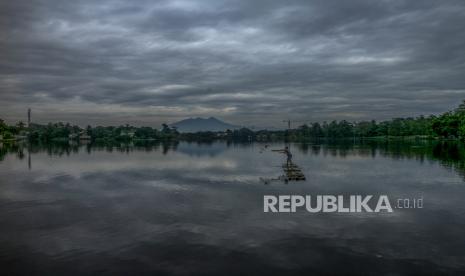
[(182, 209)]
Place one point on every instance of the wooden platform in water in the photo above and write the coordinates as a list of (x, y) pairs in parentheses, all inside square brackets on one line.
[(293, 172)]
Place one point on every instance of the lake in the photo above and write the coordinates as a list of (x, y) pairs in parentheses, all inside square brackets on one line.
[(197, 208)]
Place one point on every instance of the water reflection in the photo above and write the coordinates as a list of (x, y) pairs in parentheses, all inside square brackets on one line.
[(189, 208), (449, 153)]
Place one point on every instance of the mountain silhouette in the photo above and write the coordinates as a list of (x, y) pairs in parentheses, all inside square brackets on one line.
[(201, 124)]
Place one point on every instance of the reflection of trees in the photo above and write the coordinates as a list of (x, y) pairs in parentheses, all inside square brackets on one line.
[(11, 148), (451, 154), (66, 148), (448, 153)]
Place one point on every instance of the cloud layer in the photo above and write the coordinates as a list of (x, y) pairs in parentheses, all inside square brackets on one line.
[(249, 62)]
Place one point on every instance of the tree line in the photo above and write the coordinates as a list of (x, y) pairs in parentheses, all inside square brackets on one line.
[(450, 125)]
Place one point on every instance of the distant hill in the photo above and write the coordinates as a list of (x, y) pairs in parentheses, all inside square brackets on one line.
[(201, 124)]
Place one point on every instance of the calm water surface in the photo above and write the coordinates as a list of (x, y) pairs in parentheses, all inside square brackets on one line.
[(185, 209)]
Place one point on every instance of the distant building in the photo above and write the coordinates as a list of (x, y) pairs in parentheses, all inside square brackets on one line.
[(81, 136), (28, 117), (221, 134), (20, 137), (84, 137), (129, 133)]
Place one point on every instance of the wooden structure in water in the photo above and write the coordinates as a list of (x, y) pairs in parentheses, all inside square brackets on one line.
[(293, 172)]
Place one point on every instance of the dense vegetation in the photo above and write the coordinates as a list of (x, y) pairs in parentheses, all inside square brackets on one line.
[(449, 125)]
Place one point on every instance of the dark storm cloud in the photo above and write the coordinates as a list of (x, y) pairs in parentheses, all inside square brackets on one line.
[(251, 62)]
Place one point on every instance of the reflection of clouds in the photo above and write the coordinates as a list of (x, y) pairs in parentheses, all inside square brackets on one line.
[(78, 164), (199, 149), (83, 205), (164, 185)]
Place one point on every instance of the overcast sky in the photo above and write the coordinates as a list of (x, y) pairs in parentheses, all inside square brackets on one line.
[(249, 62)]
